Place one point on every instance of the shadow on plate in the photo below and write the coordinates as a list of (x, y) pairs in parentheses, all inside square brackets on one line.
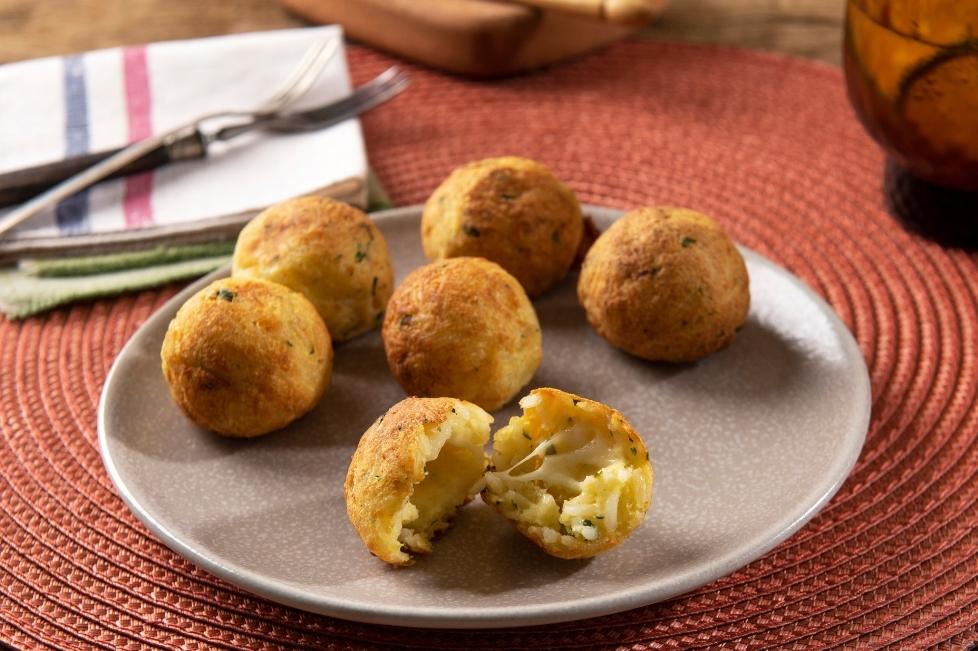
[(307, 542), (360, 391)]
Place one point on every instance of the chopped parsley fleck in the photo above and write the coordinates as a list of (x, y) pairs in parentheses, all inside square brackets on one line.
[(551, 449), (471, 230), (405, 320), (225, 294), (688, 242), (634, 451), (525, 435), (508, 196), (378, 477), (361, 255), (587, 523), (370, 233)]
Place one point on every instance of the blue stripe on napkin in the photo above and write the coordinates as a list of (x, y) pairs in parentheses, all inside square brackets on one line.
[(73, 212)]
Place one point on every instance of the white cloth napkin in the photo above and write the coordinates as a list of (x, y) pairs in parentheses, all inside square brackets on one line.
[(57, 107)]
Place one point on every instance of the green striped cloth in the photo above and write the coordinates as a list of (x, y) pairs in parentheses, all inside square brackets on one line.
[(36, 285)]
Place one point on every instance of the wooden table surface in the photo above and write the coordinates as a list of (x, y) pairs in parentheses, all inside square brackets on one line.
[(32, 28)]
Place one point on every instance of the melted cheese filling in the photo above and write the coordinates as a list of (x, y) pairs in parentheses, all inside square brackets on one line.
[(571, 484)]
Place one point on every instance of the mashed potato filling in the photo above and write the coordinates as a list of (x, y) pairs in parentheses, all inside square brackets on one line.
[(561, 470), (454, 461)]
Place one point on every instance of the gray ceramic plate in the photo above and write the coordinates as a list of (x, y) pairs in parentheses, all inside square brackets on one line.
[(747, 445)]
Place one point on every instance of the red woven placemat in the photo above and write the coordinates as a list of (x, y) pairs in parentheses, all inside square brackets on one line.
[(766, 144)]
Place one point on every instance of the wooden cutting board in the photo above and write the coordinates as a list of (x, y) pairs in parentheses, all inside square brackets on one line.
[(481, 38)]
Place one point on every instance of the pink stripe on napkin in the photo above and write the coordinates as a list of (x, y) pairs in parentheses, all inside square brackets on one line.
[(137, 200)]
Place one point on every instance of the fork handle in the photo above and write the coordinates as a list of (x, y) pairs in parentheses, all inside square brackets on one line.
[(23, 184)]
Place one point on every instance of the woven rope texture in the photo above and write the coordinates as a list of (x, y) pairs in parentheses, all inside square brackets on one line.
[(767, 145)]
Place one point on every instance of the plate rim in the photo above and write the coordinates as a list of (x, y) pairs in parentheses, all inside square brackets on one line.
[(502, 616)]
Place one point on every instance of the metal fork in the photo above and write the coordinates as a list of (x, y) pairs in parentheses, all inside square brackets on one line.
[(297, 84), (365, 97)]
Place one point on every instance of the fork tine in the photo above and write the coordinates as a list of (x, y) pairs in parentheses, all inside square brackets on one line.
[(366, 96), (387, 84), (336, 114), (302, 78)]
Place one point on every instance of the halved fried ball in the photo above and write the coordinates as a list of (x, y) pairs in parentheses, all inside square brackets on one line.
[(244, 357), (665, 284), (414, 467), (329, 251), (571, 474), (465, 328), (510, 210)]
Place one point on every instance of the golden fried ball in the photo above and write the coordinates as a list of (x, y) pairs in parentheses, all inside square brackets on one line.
[(329, 251), (464, 328), (665, 284), (570, 474), (412, 470), (244, 357), (510, 210)]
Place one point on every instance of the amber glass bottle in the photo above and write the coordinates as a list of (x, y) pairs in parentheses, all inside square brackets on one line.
[(912, 72)]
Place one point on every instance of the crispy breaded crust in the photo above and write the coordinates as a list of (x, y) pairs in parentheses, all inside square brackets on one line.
[(388, 462), (244, 357), (329, 251), (462, 327), (665, 284), (510, 210)]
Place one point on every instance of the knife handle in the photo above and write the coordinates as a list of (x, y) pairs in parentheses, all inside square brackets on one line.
[(20, 185)]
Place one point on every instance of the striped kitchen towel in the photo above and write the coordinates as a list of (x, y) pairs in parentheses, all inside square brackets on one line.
[(66, 106)]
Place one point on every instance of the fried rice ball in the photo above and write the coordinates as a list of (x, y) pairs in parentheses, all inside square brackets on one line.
[(665, 284), (329, 251), (570, 474), (412, 470), (510, 210), (465, 328), (244, 357)]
